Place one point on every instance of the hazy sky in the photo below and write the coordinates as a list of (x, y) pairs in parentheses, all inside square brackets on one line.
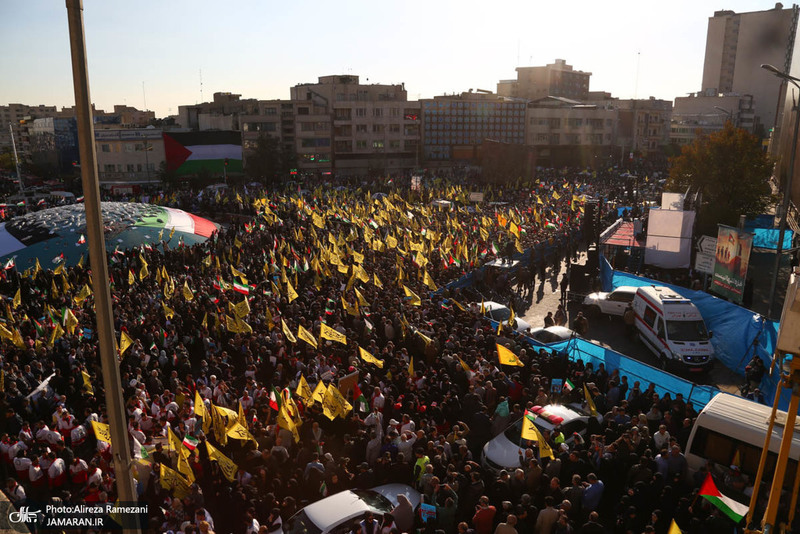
[(261, 48)]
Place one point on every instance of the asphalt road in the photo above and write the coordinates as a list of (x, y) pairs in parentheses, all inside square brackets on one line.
[(610, 332)]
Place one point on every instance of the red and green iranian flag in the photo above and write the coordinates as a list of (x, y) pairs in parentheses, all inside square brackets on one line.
[(733, 509), (190, 442), (194, 152)]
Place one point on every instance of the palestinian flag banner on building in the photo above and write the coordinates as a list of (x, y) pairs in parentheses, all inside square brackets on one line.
[(189, 153)]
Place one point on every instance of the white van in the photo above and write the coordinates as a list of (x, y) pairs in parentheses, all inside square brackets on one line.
[(729, 425), (672, 328)]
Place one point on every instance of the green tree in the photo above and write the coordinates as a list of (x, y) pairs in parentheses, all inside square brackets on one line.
[(269, 160), (730, 170), (7, 160)]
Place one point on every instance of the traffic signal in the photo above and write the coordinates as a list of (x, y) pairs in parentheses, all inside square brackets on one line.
[(226, 162)]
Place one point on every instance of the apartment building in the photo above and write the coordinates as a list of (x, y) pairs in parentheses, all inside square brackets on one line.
[(20, 118), (455, 126), (703, 114), (373, 127), (555, 79), (569, 132), (129, 155)]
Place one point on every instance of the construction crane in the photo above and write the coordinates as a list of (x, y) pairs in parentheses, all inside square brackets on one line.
[(786, 362)]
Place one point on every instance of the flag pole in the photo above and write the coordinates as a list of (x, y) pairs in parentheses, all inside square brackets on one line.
[(97, 254)]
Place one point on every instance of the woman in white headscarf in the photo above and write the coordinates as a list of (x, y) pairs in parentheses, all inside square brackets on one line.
[(403, 514)]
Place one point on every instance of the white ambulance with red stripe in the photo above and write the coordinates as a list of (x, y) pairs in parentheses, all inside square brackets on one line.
[(672, 327)]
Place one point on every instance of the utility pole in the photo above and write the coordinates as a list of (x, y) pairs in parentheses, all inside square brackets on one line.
[(16, 158), (97, 255)]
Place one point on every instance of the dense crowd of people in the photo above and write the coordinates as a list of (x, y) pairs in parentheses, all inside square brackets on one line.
[(305, 293)]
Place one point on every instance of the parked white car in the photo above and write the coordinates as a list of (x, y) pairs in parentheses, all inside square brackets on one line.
[(501, 313), (502, 452), (342, 512), (613, 303)]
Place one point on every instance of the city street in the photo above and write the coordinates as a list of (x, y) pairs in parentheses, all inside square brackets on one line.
[(610, 332)]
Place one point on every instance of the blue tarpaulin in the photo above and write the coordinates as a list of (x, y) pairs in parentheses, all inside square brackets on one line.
[(768, 238), (636, 371), (737, 331)]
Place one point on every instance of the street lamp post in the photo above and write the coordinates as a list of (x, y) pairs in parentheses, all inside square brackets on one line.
[(788, 187)]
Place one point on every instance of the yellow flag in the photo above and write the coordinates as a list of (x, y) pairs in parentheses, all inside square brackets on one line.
[(199, 405), (204, 322), (411, 367), (335, 404), (528, 426), (306, 336), (143, 272), (238, 273), (287, 333), (673, 528), (242, 309), (83, 294), (59, 269), (290, 292), (514, 229), (428, 281), (125, 342), (169, 313), (483, 308), (80, 261), (226, 465), (326, 332), (172, 232), (240, 432), (17, 299), (361, 300), (465, 366), (173, 441), (369, 358), (412, 297), (377, 281), (285, 421), (458, 305), (172, 480), (319, 392), (187, 292), (87, 383), (304, 390), (544, 448), (102, 432), (507, 357), (589, 401), (54, 335)]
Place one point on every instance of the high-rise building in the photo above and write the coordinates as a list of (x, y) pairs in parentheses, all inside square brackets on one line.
[(737, 44), (555, 79)]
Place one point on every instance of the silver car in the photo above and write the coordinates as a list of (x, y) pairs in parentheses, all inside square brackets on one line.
[(502, 452), (342, 512)]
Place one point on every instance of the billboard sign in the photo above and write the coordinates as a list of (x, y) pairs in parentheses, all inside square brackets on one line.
[(731, 260)]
